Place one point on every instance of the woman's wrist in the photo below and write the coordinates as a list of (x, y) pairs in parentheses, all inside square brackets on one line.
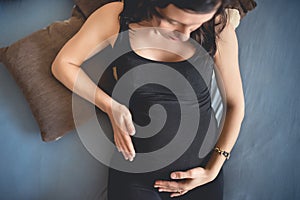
[(222, 152), (104, 102), (215, 164)]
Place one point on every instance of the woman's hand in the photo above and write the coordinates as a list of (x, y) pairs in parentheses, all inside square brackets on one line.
[(190, 179), (123, 128)]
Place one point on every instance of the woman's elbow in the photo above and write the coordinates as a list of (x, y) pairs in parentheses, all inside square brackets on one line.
[(53, 69), (55, 66), (238, 108), (242, 112)]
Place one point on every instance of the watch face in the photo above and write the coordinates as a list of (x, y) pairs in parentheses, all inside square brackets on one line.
[(221, 152), (226, 154)]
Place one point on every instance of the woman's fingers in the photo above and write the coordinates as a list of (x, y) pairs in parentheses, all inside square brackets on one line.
[(124, 142), (126, 132), (123, 129), (176, 194), (117, 145), (120, 145), (128, 147), (129, 125)]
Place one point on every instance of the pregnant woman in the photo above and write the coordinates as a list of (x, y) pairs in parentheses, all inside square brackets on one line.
[(155, 33)]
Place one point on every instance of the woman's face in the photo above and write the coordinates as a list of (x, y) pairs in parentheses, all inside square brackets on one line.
[(177, 24)]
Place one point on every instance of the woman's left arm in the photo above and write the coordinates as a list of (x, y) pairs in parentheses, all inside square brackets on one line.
[(226, 60)]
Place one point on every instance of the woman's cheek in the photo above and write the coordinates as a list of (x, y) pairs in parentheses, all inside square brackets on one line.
[(163, 24)]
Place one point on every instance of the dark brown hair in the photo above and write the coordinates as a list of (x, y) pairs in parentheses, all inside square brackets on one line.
[(139, 10)]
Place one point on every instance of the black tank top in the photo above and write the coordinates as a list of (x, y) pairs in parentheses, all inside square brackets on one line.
[(197, 70)]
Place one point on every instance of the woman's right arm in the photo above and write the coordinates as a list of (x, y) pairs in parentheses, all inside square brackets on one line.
[(99, 31), (95, 34)]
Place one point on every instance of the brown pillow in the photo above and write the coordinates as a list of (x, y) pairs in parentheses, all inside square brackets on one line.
[(29, 61)]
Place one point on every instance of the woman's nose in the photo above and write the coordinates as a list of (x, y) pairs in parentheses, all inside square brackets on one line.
[(183, 33)]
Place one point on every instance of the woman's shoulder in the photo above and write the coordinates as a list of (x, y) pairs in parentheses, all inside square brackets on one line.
[(112, 7), (107, 14), (106, 18), (97, 32)]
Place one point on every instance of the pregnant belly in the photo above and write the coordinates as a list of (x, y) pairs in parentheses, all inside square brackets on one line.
[(159, 117), (165, 121)]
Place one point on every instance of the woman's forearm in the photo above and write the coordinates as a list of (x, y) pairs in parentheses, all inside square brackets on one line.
[(228, 137), (75, 79)]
